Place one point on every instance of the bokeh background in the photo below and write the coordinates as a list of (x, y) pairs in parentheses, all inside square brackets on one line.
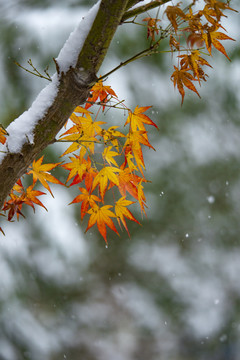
[(172, 291)]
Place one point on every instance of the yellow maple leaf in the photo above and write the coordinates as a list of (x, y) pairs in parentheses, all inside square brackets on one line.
[(137, 119), (102, 216), (41, 172), (122, 211), (106, 174), (108, 154)]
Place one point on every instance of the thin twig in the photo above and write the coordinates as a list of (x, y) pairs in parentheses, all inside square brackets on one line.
[(35, 71)]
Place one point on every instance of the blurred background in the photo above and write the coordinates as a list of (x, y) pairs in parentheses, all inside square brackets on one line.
[(172, 291)]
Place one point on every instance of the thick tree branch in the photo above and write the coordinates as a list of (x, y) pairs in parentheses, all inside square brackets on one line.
[(73, 89)]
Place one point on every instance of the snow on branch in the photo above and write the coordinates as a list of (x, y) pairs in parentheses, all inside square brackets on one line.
[(68, 55), (21, 129)]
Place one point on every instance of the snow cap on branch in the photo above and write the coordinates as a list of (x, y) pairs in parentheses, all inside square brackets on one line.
[(21, 129), (69, 53)]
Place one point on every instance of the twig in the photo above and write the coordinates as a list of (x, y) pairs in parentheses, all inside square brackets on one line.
[(35, 71)]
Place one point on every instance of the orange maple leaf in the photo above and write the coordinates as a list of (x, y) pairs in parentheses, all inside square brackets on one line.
[(122, 211), (212, 37), (100, 91), (86, 199), (214, 7), (194, 61), (151, 27), (41, 172), (173, 43), (181, 78), (128, 182), (102, 216), (173, 13), (30, 197)]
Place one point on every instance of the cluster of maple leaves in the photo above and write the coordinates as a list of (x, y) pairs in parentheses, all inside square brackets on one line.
[(192, 33), (118, 163), (104, 159)]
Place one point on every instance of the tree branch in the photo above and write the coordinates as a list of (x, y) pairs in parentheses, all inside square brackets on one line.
[(131, 3), (72, 89), (141, 9)]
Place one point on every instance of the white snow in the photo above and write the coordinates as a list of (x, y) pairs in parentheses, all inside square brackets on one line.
[(21, 129), (69, 53)]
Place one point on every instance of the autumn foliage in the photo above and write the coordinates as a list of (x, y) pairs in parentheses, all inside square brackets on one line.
[(105, 163)]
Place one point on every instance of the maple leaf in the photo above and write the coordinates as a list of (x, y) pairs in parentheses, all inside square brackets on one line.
[(102, 216), (122, 211), (141, 198), (100, 91), (181, 78), (128, 160), (18, 187), (78, 165), (173, 12), (151, 27), (108, 173), (195, 39), (41, 172), (82, 110), (82, 170), (128, 183), (108, 154), (193, 61), (133, 146), (212, 37), (3, 134), (112, 135), (13, 206), (86, 199), (82, 134), (216, 6), (30, 197), (173, 43), (137, 119)]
